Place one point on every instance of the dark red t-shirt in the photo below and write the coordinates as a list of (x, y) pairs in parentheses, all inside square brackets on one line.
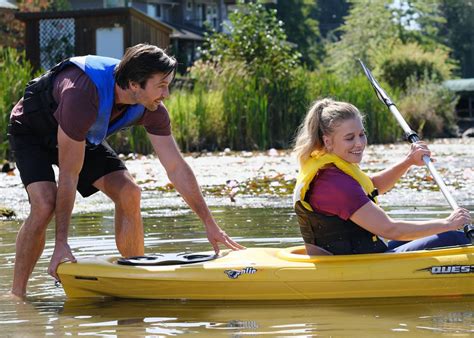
[(78, 103), (335, 193)]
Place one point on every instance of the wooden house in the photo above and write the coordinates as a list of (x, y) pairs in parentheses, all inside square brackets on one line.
[(53, 36), (465, 107)]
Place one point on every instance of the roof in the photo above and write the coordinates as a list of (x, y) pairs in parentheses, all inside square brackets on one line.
[(5, 4), (460, 85), (28, 16), (180, 33)]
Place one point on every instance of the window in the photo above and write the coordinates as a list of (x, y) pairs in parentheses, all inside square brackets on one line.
[(212, 15), (114, 3), (153, 10)]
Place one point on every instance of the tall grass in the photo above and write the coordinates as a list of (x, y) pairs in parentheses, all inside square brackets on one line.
[(248, 112), (15, 73), (197, 118), (380, 124)]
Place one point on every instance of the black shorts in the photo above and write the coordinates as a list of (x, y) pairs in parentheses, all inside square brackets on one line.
[(35, 156)]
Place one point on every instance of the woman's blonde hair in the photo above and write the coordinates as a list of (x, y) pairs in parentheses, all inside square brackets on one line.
[(321, 119)]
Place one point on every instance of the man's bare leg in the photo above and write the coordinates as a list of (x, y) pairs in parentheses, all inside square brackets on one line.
[(32, 235), (125, 193)]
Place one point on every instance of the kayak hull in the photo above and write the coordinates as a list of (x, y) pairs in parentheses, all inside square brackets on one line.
[(278, 274)]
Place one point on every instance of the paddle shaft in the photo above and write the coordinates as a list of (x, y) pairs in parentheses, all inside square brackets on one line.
[(413, 137)]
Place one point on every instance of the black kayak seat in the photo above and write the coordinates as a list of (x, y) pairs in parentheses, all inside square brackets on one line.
[(167, 259)]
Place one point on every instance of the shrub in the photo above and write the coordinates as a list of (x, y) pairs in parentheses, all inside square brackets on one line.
[(15, 74), (430, 109), (411, 61), (380, 125)]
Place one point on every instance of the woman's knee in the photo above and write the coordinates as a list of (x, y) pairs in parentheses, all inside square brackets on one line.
[(451, 238)]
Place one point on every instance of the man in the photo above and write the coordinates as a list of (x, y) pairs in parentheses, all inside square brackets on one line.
[(63, 119)]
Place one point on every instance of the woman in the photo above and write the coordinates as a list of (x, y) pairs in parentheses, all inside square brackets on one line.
[(336, 202)]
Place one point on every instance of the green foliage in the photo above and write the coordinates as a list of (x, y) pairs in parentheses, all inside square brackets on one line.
[(254, 67), (385, 33), (16, 72), (411, 61), (330, 15), (430, 109), (457, 32), (59, 5), (302, 28), (419, 21), (363, 36), (380, 125), (256, 38), (197, 118)]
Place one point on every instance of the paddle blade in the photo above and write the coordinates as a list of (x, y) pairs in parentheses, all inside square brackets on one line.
[(381, 94)]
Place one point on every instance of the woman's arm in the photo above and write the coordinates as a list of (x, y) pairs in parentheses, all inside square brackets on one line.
[(386, 179), (372, 218)]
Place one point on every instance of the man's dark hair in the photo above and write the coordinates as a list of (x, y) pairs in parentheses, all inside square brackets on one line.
[(141, 62)]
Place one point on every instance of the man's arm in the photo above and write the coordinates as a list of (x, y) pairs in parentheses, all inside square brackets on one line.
[(182, 177), (71, 158)]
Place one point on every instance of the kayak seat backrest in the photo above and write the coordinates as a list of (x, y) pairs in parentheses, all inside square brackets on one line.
[(167, 259)]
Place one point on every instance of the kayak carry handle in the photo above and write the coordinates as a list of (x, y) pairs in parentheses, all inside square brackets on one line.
[(413, 137)]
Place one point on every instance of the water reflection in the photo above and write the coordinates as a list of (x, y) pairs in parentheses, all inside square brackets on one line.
[(416, 317), (48, 312)]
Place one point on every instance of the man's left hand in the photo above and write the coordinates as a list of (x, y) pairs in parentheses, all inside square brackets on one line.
[(216, 235)]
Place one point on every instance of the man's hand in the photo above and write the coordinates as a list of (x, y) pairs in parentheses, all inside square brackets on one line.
[(216, 235), (181, 175), (62, 253)]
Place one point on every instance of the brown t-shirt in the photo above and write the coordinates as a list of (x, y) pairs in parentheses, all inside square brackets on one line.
[(78, 103)]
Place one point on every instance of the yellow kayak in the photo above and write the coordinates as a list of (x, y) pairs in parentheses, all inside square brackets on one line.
[(277, 274)]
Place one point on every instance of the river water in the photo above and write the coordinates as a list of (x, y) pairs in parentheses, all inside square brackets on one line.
[(250, 196)]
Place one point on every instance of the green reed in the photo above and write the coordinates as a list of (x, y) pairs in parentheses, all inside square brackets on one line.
[(15, 73)]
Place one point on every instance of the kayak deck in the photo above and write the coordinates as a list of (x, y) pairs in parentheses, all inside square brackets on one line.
[(278, 274)]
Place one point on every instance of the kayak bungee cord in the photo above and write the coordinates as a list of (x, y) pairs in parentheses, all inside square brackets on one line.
[(413, 137)]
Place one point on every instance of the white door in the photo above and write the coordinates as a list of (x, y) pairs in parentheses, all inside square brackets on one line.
[(109, 42)]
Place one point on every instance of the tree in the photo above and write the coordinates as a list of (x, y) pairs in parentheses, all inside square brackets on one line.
[(256, 38), (254, 67), (389, 27), (330, 15), (302, 28), (419, 21), (12, 30), (458, 32), (363, 36)]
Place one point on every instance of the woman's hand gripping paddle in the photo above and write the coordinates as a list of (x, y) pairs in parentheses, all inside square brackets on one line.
[(412, 137)]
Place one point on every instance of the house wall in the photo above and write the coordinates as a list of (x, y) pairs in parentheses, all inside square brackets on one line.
[(192, 13), (87, 26), (137, 28), (142, 32)]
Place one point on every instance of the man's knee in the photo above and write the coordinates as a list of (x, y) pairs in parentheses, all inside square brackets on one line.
[(130, 194), (42, 206)]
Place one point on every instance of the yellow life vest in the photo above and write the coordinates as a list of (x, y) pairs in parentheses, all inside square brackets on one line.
[(319, 160)]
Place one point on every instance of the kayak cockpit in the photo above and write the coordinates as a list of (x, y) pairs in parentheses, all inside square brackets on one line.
[(167, 259)]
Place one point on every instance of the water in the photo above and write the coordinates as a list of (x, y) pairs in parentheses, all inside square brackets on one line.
[(254, 220)]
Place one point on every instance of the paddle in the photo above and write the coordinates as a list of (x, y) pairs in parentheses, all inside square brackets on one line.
[(413, 137)]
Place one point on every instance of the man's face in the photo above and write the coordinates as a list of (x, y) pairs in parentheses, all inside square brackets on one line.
[(156, 90)]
